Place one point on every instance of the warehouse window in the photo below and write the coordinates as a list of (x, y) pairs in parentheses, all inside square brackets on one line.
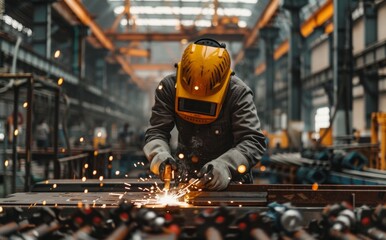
[(322, 118)]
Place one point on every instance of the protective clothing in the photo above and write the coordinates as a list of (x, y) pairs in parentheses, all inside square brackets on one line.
[(202, 80), (234, 137)]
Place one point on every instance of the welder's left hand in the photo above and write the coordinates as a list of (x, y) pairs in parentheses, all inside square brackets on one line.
[(214, 175)]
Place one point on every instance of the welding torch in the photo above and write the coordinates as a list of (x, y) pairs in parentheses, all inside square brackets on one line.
[(167, 176)]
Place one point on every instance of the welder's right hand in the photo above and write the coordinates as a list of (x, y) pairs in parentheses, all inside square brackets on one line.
[(169, 161)]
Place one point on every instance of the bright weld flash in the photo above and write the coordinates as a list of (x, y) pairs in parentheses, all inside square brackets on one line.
[(159, 197), (168, 199)]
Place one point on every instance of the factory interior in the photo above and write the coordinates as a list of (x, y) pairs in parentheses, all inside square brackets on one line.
[(77, 87)]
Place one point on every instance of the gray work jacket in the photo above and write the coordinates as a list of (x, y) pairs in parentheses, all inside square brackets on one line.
[(235, 137)]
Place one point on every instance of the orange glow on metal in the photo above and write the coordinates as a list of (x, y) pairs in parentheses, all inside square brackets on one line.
[(281, 50), (315, 186), (77, 7), (318, 18)]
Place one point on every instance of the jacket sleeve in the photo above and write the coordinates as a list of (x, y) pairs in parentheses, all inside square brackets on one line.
[(249, 141), (157, 136)]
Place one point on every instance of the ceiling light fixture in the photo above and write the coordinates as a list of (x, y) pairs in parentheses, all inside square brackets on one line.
[(148, 10), (176, 22), (203, 1)]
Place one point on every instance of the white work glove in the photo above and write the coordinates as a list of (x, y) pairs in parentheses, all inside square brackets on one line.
[(214, 175), (223, 167), (156, 151)]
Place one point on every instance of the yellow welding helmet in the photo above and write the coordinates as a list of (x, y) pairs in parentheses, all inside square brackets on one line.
[(203, 76)]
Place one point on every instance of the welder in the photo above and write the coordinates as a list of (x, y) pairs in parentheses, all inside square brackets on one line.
[(218, 128)]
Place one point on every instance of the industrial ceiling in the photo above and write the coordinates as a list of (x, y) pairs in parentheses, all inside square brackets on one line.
[(147, 36)]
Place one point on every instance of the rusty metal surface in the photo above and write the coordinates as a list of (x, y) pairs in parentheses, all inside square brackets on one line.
[(110, 192), (65, 199), (307, 197), (95, 185), (298, 195)]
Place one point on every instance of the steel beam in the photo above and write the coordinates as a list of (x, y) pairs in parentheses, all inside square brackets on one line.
[(220, 34), (266, 16), (135, 52), (318, 18), (77, 7)]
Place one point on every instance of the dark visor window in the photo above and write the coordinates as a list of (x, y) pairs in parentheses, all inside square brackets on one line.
[(195, 106)]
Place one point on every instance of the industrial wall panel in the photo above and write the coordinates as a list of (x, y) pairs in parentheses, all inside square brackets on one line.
[(358, 113), (381, 22), (358, 39), (358, 91), (320, 101), (320, 56), (382, 82), (382, 102), (259, 91), (382, 95)]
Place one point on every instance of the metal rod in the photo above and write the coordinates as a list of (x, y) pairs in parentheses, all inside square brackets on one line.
[(73, 158), (16, 75)]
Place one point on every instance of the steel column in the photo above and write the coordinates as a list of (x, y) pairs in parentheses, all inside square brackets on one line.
[(269, 35), (28, 136), (294, 78), (78, 49), (14, 136), (41, 39), (342, 68), (307, 106), (56, 134), (2, 9), (370, 76)]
